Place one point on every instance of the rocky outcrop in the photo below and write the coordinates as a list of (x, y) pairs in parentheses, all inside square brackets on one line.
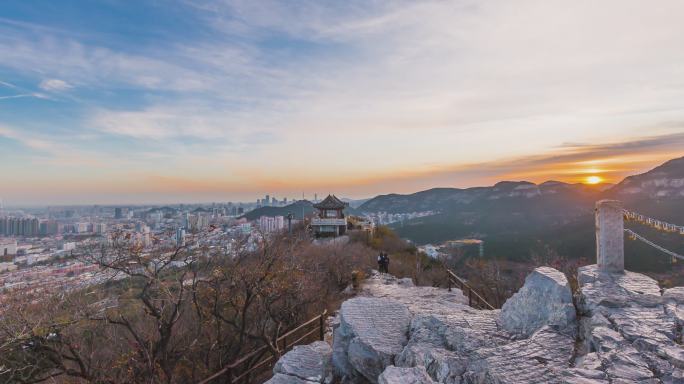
[(394, 375), (622, 331), (371, 332), (544, 300), (630, 329), (312, 363)]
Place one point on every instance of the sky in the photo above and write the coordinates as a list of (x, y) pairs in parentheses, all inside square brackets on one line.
[(115, 101)]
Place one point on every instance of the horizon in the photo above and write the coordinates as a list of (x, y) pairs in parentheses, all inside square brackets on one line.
[(196, 102), (305, 198)]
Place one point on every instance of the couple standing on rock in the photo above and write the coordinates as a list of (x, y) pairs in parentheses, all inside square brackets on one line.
[(383, 262)]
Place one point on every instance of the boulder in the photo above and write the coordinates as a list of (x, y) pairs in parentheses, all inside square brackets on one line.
[(394, 375), (630, 326), (538, 359), (279, 378), (372, 331), (544, 300), (311, 362)]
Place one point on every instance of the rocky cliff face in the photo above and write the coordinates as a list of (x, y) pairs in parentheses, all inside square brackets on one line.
[(622, 330)]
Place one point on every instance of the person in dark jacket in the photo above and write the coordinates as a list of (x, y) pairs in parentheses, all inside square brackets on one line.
[(386, 262), (381, 260)]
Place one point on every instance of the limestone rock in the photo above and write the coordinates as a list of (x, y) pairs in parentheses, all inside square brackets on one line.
[(394, 375), (398, 333), (630, 326), (371, 333), (311, 362), (545, 299), (279, 378), (431, 300), (537, 359)]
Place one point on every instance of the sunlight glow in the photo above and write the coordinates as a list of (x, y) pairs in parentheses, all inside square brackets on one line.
[(593, 180)]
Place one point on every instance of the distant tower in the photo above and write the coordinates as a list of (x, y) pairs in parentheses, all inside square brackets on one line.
[(2, 210), (315, 197)]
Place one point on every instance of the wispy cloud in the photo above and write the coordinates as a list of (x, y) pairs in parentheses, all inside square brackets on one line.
[(26, 139), (54, 85), (413, 94)]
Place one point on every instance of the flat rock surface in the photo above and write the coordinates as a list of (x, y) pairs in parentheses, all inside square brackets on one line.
[(311, 362), (394, 375), (417, 299), (371, 332), (279, 378)]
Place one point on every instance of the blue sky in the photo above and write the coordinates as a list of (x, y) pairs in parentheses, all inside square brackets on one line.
[(163, 101)]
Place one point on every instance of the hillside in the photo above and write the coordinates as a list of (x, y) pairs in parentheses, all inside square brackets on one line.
[(298, 209), (441, 199), (518, 219)]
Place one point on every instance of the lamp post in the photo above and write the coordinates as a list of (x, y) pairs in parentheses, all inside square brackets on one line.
[(289, 223)]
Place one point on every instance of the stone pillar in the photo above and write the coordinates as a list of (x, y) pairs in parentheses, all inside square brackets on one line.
[(610, 245)]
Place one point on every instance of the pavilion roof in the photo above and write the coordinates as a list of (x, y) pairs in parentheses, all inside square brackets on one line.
[(331, 202)]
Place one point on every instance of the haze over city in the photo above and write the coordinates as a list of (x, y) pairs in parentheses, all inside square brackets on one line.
[(191, 101)]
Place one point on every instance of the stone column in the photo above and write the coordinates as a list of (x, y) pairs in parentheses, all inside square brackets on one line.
[(610, 245)]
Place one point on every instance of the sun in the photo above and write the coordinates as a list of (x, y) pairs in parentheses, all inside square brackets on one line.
[(593, 179)]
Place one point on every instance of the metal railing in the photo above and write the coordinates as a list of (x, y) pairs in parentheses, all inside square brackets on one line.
[(256, 363), (474, 298)]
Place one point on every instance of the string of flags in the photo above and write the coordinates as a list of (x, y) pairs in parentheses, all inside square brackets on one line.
[(635, 236), (653, 223)]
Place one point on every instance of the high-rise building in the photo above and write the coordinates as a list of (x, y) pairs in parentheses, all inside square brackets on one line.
[(15, 226), (81, 227), (271, 224), (100, 228), (180, 237), (118, 213)]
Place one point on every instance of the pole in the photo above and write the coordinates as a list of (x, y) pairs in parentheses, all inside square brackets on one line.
[(610, 246)]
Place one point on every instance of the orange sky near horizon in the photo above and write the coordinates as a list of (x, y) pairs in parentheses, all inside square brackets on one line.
[(355, 98), (156, 188)]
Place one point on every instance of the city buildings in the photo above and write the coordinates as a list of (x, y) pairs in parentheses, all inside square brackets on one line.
[(271, 224), (15, 226), (8, 247)]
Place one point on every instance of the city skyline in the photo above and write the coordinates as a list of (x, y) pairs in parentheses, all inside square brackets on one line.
[(193, 101)]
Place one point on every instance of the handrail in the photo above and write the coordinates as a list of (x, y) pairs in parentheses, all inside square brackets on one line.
[(479, 302), (228, 369)]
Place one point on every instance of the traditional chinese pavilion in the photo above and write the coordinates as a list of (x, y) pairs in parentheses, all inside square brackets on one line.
[(331, 221)]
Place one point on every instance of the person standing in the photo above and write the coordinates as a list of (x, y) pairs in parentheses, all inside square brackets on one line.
[(381, 260), (387, 261)]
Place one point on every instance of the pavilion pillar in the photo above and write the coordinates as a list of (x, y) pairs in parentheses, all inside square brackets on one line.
[(610, 245)]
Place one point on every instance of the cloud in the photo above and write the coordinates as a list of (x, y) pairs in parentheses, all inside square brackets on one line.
[(27, 140), (185, 124), (54, 85), (423, 93)]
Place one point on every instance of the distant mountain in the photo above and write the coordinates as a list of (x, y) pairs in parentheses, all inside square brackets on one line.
[(298, 208), (663, 182), (444, 199), (518, 219), (354, 203)]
